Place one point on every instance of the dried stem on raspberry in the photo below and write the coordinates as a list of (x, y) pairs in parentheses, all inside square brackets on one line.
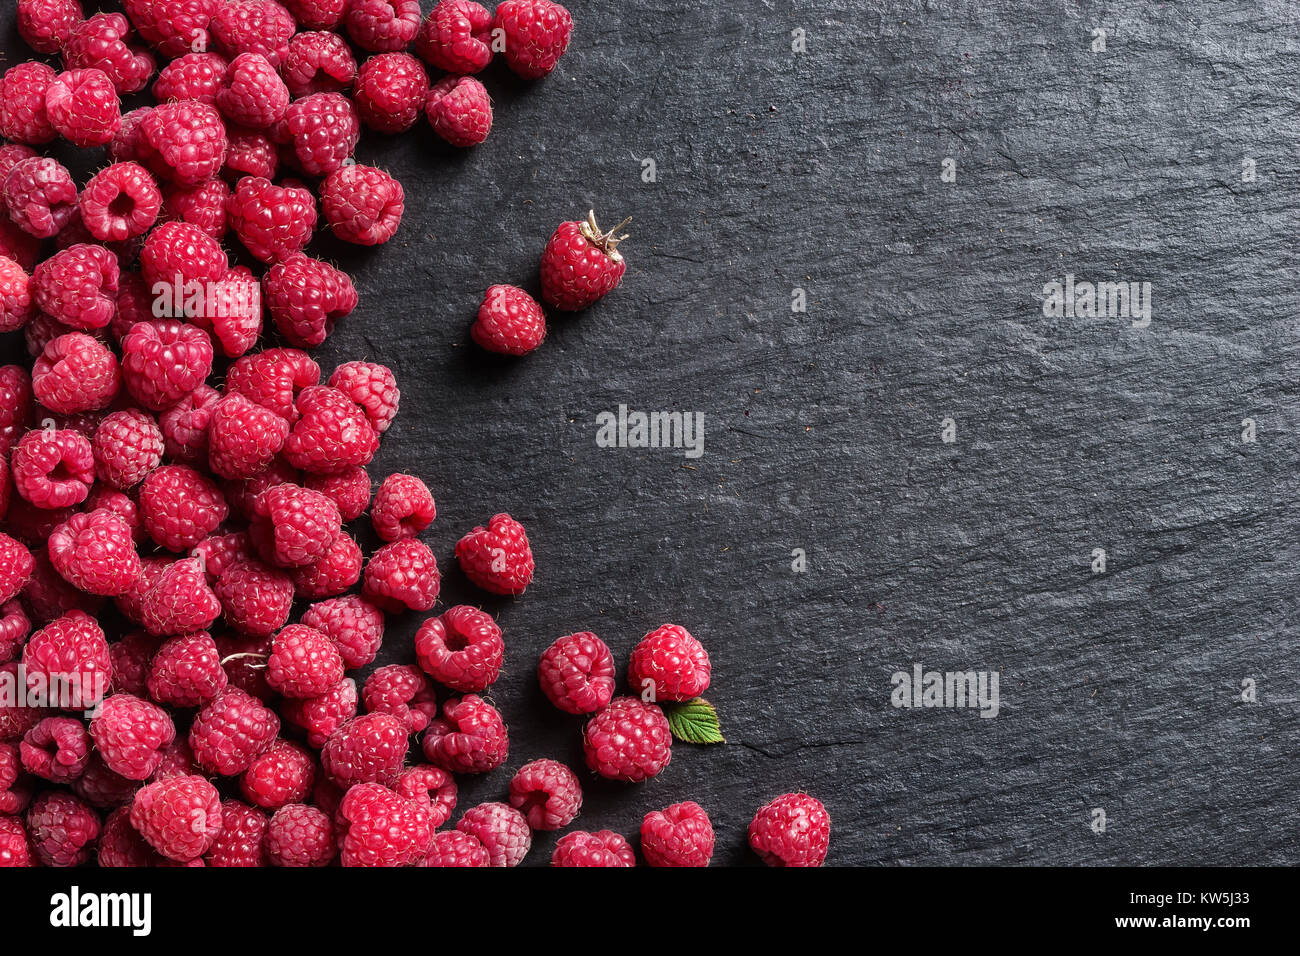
[(235, 657), (607, 241)]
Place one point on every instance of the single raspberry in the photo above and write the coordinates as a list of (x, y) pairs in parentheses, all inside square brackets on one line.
[(602, 848), (131, 656), (22, 106), (250, 153), (15, 405), (431, 785), (273, 222), (400, 576), (15, 849), (368, 749), (172, 26), (75, 373), (16, 565), (78, 286), (177, 252), (255, 599), (454, 848), (40, 195), (243, 438), (670, 664), (179, 816), (120, 202), (57, 749), (127, 144), (497, 558), (390, 92), (244, 661), (581, 264), (131, 604), (202, 206), (127, 446), (82, 106), (331, 574), (62, 829), (792, 830), (11, 154), (253, 26), (509, 321), (103, 788), (470, 737), (403, 508), (184, 142), (94, 552), (251, 92), (459, 110), (373, 387), (349, 489), (101, 42), (294, 526), (331, 433), (678, 835), (306, 297), (316, 14), (194, 76), (322, 716), (354, 625), (231, 731), (282, 775), (15, 625), (69, 656), (318, 63), (185, 425), (45, 25), (629, 740), (403, 692), (180, 602), (180, 507), (300, 835), (321, 131), (186, 671), (130, 735), (218, 552), (303, 663), (382, 828), (536, 35), (456, 37), (462, 649), (362, 204), (382, 26), (547, 793), (240, 842), (163, 362), (273, 379), (53, 468), (15, 294), (501, 829)]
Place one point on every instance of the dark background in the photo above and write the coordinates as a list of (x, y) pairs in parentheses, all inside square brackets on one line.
[(821, 170)]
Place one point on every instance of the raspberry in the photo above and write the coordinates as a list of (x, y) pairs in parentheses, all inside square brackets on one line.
[(547, 793), (243, 659), (431, 785), (581, 264), (194, 76), (318, 63), (126, 145), (250, 153), (163, 362), (62, 829), (252, 93), (509, 321), (243, 495), (390, 91), (100, 43), (172, 26), (792, 830), (15, 294), (202, 206), (232, 730), (459, 110), (121, 845), (16, 565), (179, 817), (362, 204), (462, 649), (295, 526), (273, 222), (49, 596), (131, 658), (40, 195), (349, 489), (53, 469), (127, 445), (186, 671), (354, 625), (300, 835), (373, 387), (78, 286), (403, 692), (120, 202), (184, 142), (454, 848), (669, 663), (74, 374), (177, 760), (130, 734), (218, 552), (536, 35), (456, 37), (403, 508), (368, 749), (253, 26), (243, 830), (14, 847), (102, 788), (317, 14), (501, 829), (678, 835), (15, 405), (333, 573), (177, 252), (471, 737), (14, 627), (382, 26), (180, 602), (22, 106), (382, 828), (497, 558), (331, 433), (303, 663), (16, 720), (94, 552), (243, 438), (131, 604), (45, 25), (255, 599), (69, 656), (180, 507), (402, 575), (185, 425), (322, 716), (629, 740), (57, 749), (282, 775), (306, 297), (602, 848), (273, 379), (321, 130), (83, 108), (134, 304)]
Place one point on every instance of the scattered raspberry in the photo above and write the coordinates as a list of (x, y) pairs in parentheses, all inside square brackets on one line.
[(318, 63), (322, 716), (303, 663), (430, 785), (121, 845), (403, 508), (456, 37), (282, 775), (581, 264), (231, 731), (78, 286), (373, 387), (250, 153), (172, 26), (382, 26), (460, 110), (22, 106), (45, 25), (390, 91), (363, 204), (501, 829), (306, 297), (130, 735), (678, 835), (602, 848), (255, 599), (253, 26), (403, 692), (471, 737), (462, 649), (14, 847), (185, 425), (349, 489), (497, 558), (536, 35), (57, 749), (402, 575), (243, 830), (40, 195), (382, 828), (317, 14), (243, 438), (354, 625), (194, 76), (369, 749), (331, 433), (94, 552), (179, 816), (180, 507), (53, 468), (101, 43), (331, 574), (71, 655), (300, 835), (180, 601), (669, 663), (184, 142), (273, 379), (629, 740), (294, 526), (16, 720), (120, 202), (456, 848), (251, 92), (321, 130), (218, 552), (83, 108), (75, 373), (509, 321), (273, 222), (547, 793), (178, 249), (62, 829), (792, 830), (131, 604), (15, 293), (16, 565), (186, 671)]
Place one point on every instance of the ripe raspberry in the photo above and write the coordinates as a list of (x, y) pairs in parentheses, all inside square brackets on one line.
[(670, 663), (629, 740), (185, 425), (45, 25), (333, 573), (16, 720), (373, 387), (354, 625), (134, 304), (243, 830), (186, 671), (317, 14), (15, 405), (294, 526), (509, 321), (74, 374), (501, 829), (179, 816), (16, 565), (382, 26), (303, 663), (252, 93), (390, 91), (602, 848), (349, 489), (194, 76), (184, 142), (253, 26), (94, 552), (300, 835), (243, 659), (460, 110), (172, 26), (82, 106), (547, 793), (456, 37), (362, 204), (130, 735), (53, 469), (331, 433), (255, 599), (202, 206), (103, 788), (121, 845), (321, 131), (432, 786), (70, 654), (180, 602), (15, 786), (678, 835), (131, 658), (14, 627), (231, 731), (402, 575), (368, 749), (306, 297), (218, 552), (403, 692), (15, 294), (165, 361), (273, 222), (126, 146), (57, 749), (322, 716), (462, 649), (177, 252), (243, 438), (471, 737), (536, 35), (497, 558), (403, 508), (120, 202), (131, 604), (250, 153), (39, 194), (22, 106), (15, 850), (792, 830), (581, 264), (101, 43), (282, 775), (318, 63), (62, 829), (455, 848), (78, 286), (180, 507), (127, 446), (382, 828), (243, 495), (273, 379)]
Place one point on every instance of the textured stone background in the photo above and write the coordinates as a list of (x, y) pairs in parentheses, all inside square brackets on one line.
[(822, 171)]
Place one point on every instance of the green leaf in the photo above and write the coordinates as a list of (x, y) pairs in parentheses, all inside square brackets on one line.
[(694, 722)]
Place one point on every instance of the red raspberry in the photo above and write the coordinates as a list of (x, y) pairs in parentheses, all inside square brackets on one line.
[(15, 786), (547, 793), (177, 252), (403, 692), (318, 63), (218, 552), (62, 829), (14, 847), (120, 202), (194, 76), (16, 720), (45, 25), (670, 664), (14, 628), (349, 489), (629, 740), (243, 830), (131, 734), (163, 362), (203, 206), (509, 321), (273, 222), (22, 106), (74, 374), (70, 657), (78, 286), (180, 602), (186, 671), (322, 716), (16, 565), (373, 387), (317, 14), (184, 142), (497, 558), (678, 835), (382, 828), (131, 658), (127, 144), (255, 599), (602, 848), (300, 835), (354, 625), (40, 195), (250, 153), (295, 526), (432, 786), (306, 297), (94, 552), (11, 154), (131, 604), (368, 749), (331, 433), (100, 43), (53, 469), (792, 830), (362, 204), (185, 425), (303, 663), (243, 438), (390, 91), (471, 737), (460, 110), (101, 787), (382, 26), (231, 731), (179, 816), (581, 264), (177, 760), (15, 294), (273, 379), (253, 26), (134, 304), (536, 35), (400, 576), (403, 508), (57, 749), (501, 829), (321, 131), (82, 106), (243, 659), (456, 37), (454, 848), (252, 93), (127, 446), (172, 26), (120, 845), (15, 405), (462, 649), (333, 573), (243, 495), (282, 775), (180, 507)]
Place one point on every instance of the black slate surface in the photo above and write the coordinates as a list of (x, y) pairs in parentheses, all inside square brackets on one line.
[(821, 170)]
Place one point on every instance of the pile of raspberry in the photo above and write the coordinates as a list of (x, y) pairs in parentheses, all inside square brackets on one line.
[(185, 611)]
